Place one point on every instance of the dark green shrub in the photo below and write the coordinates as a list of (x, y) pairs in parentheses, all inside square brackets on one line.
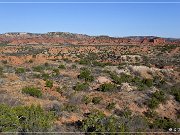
[(153, 103), (86, 100), (110, 106), (123, 78), (32, 91), (148, 82), (160, 96), (45, 76), (96, 100), (70, 108), (46, 64), (81, 86), (84, 62), (164, 123), (49, 83), (100, 64), (38, 68), (61, 66), (20, 70), (25, 119), (96, 121), (107, 87), (176, 92), (86, 75), (126, 112)]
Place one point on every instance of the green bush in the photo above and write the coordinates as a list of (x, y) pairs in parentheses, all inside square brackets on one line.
[(45, 76), (32, 91), (96, 121), (86, 100), (84, 62), (153, 103), (61, 66), (38, 68), (20, 70), (176, 92), (148, 82), (162, 123), (25, 119), (81, 86), (123, 78), (110, 106), (157, 98), (70, 108), (49, 83), (107, 87), (96, 100), (86, 75)]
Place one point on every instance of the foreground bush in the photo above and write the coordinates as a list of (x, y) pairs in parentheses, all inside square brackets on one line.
[(96, 121), (25, 119), (176, 93), (32, 91)]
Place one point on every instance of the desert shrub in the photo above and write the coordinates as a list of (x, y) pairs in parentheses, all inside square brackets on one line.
[(4, 61), (176, 92), (32, 91), (148, 82), (56, 71), (38, 68), (164, 123), (107, 87), (160, 96), (25, 119), (111, 106), (86, 75), (121, 79), (81, 86), (151, 113), (74, 66), (153, 103), (45, 76), (84, 62), (49, 83), (126, 112), (46, 64), (96, 121), (20, 70), (30, 61), (70, 108), (96, 100), (61, 66), (8, 119), (100, 64), (86, 99), (1, 71)]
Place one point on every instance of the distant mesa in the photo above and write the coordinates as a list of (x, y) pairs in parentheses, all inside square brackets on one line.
[(50, 38)]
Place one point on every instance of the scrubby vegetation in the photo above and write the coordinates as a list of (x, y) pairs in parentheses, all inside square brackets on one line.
[(32, 91), (25, 119), (134, 88)]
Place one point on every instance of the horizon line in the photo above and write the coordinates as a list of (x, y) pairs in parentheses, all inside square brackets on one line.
[(93, 35)]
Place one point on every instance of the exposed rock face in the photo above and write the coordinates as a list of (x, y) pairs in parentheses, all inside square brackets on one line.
[(77, 39)]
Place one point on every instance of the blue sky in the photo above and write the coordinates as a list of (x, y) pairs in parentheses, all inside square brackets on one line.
[(93, 19)]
